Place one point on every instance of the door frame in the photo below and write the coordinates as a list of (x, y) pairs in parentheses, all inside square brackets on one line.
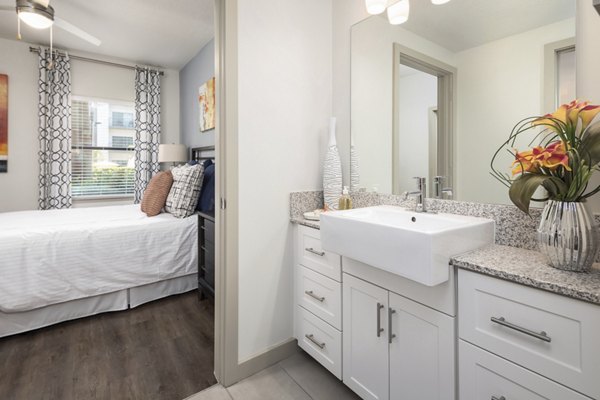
[(447, 82)]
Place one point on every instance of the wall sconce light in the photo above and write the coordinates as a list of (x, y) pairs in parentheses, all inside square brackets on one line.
[(375, 7), (398, 13)]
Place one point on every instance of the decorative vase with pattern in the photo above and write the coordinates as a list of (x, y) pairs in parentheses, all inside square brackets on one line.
[(568, 235), (332, 171), (354, 171)]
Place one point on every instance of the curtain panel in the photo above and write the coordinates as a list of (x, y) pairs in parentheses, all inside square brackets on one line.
[(54, 113), (147, 128)]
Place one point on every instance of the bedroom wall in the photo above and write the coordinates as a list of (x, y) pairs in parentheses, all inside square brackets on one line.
[(284, 105), (197, 71), (18, 187)]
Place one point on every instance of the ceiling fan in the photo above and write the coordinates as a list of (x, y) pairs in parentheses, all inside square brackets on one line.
[(39, 14)]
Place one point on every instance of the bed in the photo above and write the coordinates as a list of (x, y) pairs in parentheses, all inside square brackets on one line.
[(60, 265)]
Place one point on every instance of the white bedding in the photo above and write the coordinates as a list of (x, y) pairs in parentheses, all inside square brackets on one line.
[(49, 257)]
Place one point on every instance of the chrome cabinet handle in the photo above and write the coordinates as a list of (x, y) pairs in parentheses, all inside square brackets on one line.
[(311, 250), (541, 335), (379, 328), (498, 398), (311, 337), (391, 335), (314, 296)]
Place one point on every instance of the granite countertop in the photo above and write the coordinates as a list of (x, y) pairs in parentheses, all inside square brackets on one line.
[(530, 268), (306, 222)]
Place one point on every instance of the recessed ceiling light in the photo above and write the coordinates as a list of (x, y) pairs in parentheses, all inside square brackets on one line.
[(438, 2)]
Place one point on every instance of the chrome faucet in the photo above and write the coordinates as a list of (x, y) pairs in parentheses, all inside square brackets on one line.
[(438, 190), (420, 194)]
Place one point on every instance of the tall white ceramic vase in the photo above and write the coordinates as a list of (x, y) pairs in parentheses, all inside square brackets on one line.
[(354, 171), (332, 171)]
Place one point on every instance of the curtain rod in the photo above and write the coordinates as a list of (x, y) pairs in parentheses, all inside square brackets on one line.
[(93, 60)]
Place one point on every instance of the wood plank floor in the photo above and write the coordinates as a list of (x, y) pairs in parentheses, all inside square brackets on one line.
[(162, 350)]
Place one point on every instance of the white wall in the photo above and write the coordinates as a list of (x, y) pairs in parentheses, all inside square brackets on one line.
[(284, 103), (19, 187), (499, 83)]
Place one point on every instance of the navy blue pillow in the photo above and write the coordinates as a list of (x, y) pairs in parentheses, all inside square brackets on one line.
[(206, 201)]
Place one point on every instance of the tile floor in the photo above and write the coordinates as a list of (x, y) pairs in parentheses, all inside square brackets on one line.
[(296, 378)]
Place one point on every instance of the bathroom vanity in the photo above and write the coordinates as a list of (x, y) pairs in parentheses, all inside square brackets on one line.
[(488, 332)]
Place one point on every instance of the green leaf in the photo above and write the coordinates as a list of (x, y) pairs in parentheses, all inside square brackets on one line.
[(522, 189), (590, 144)]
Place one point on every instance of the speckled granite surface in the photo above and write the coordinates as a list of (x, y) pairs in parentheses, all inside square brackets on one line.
[(530, 268), (301, 202)]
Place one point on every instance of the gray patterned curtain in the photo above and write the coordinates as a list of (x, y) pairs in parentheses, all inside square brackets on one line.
[(147, 128), (54, 112)]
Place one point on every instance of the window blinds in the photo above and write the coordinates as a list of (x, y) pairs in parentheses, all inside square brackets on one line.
[(102, 148)]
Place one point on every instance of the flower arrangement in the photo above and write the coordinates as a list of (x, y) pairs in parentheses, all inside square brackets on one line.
[(567, 155)]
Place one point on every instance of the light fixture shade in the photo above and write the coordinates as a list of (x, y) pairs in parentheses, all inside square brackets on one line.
[(172, 153), (398, 13), (35, 14), (375, 7), (438, 2)]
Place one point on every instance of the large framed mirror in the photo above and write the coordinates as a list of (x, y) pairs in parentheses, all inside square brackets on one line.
[(436, 96)]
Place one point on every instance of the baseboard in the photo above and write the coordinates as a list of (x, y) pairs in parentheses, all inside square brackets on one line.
[(263, 360)]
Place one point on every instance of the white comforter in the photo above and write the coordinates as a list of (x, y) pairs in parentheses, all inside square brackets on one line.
[(49, 257)]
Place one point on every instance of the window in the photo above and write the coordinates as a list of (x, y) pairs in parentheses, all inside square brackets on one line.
[(102, 148), (565, 75)]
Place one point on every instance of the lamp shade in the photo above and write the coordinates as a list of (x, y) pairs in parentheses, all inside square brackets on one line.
[(172, 153), (398, 13)]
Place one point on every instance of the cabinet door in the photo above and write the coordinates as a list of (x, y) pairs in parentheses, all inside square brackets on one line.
[(365, 348), (422, 351)]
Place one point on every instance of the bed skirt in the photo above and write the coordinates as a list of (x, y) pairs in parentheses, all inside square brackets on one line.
[(13, 323)]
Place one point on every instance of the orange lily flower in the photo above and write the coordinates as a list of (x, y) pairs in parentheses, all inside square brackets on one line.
[(551, 157), (587, 114)]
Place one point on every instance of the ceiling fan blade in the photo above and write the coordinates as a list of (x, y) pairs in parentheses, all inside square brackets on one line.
[(62, 24)]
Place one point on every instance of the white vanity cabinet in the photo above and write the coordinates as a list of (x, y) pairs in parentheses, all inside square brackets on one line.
[(318, 300), (525, 343), (395, 348)]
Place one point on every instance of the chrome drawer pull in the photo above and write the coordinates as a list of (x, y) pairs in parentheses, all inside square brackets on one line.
[(542, 335), (311, 250), (314, 296), (311, 337), (391, 335), (379, 328), (498, 398)]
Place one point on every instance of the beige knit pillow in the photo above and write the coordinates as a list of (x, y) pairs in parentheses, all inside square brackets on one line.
[(156, 193)]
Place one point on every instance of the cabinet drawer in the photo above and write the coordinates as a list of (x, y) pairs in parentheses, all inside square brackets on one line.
[(550, 334), (320, 295), (310, 254), (320, 340), (209, 230), (485, 376)]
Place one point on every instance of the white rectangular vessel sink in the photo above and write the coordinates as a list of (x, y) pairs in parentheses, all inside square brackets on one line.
[(417, 246)]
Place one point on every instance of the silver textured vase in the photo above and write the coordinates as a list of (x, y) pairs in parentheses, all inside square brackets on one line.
[(568, 235), (332, 171)]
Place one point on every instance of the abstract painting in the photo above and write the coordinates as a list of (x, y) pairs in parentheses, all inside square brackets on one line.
[(206, 101), (3, 123)]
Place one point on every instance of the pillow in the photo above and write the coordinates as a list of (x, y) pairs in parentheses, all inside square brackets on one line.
[(155, 195), (183, 197), (206, 202)]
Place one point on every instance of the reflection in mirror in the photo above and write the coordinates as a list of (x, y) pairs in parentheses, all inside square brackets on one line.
[(437, 95)]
